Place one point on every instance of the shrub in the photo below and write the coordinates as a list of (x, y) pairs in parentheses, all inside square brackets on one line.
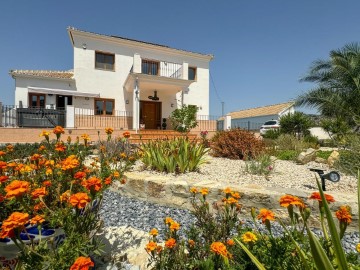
[(261, 165), (296, 123), (349, 158), (272, 134), (288, 142), (177, 155), (236, 144), (287, 154), (58, 188), (323, 154), (311, 141), (184, 119)]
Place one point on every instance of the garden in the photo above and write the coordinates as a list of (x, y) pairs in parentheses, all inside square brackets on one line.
[(57, 197)]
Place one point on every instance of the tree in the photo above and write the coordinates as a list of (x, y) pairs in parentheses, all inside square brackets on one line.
[(184, 119), (337, 94), (296, 123)]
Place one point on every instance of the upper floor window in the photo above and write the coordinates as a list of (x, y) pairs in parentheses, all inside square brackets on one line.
[(104, 61), (37, 100), (192, 73), (150, 67), (104, 106)]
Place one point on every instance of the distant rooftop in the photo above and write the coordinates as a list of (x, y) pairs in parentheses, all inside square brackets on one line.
[(55, 74), (261, 111), (70, 28)]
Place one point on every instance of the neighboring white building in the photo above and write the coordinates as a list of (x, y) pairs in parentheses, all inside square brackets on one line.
[(115, 76)]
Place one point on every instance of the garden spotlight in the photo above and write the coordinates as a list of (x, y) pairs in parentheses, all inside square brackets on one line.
[(332, 176)]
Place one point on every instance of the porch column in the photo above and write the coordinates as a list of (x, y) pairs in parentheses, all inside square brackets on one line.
[(185, 71), (137, 63), (136, 106), (227, 122), (70, 116)]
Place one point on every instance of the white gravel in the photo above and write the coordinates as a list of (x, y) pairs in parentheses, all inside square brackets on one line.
[(285, 174)]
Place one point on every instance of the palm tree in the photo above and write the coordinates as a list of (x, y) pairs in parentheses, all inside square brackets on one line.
[(337, 94)]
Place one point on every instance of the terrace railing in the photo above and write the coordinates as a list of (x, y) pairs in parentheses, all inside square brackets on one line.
[(161, 68), (13, 116), (86, 118)]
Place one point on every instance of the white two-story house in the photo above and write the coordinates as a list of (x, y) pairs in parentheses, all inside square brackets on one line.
[(118, 78)]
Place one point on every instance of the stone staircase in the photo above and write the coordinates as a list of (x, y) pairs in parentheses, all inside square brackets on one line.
[(145, 136)]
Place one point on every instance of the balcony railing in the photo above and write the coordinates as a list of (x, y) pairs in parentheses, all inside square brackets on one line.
[(161, 68)]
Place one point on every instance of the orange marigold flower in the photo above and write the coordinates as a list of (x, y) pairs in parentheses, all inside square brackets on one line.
[(16, 188), (60, 147), (266, 214), (116, 174), (46, 183), (35, 157), (58, 130), (39, 192), (85, 137), (219, 249), (204, 191), (79, 200), (3, 178), (249, 237), (344, 214), (151, 246), (170, 243), (42, 148), (109, 130), (44, 133), (108, 180), (3, 165), (194, 190), (191, 243), (126, 134), (227, 190), (230, 242), (154, 232), (16, 220), (37, 207), (65, 196), (82, 263), (2, 153), (231, 201), (38, 219), (10, 147), (317, 196), (49, 171), (235, 195), (93, 183), (174, 226), (287, 200), (123, 155), (80, 175), (168, 220), (71, 162), (123, 181)]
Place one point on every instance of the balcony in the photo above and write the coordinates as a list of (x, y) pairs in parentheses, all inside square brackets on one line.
[(154, 74)]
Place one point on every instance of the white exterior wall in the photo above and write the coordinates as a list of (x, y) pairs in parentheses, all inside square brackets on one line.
[(22, 84), (109, 84), (287, 111)]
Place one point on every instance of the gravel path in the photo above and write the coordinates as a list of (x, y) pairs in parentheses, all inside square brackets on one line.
[(286, 174)]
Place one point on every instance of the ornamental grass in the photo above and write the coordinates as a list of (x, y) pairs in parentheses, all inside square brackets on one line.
[(49, 201), (219, 239)]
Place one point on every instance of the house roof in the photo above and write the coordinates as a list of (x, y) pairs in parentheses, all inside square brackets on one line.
[(54, 74), (139, 42), (262, 111)]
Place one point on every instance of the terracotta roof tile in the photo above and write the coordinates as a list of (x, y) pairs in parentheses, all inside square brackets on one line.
[(56, 74), (261, 111)]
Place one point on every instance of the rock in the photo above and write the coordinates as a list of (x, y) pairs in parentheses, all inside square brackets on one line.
[(321, 160), (333, 158), (307, 156)]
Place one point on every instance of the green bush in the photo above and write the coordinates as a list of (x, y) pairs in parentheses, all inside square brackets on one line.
[(184, 119), (177, 155), (296, 123), (236, 144), (272, 134), (323, 154), (349, 158), (311, 141), (288, 142), (287, 154), (262, 165)]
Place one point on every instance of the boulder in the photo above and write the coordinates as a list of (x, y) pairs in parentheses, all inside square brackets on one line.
[(333, 158), (307, 156), (321, 160)]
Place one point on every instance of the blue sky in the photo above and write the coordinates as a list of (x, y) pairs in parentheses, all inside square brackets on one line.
[(261, 48)]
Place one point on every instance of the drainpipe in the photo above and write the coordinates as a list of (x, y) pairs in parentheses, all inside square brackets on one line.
[(136, 105)]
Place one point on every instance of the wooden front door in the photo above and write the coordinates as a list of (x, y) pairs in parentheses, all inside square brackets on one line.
[(150, 114)]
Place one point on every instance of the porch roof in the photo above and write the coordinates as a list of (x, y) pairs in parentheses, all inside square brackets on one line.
[(39, 90), (151, 82)]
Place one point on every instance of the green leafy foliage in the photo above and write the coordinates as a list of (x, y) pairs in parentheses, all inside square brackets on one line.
[(261, 165), (272, 134), (184, 119), (177, 155), (288, 142), (287, 154), (323, 154), (296, 124), (236, 144)]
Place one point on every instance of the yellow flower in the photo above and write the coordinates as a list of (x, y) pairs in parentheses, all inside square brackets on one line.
[(174, 226), (194, 190), (109, 130), (227, 190), (153, 232), (249, 237), (358, 247), (204, 191), (44, 133)]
